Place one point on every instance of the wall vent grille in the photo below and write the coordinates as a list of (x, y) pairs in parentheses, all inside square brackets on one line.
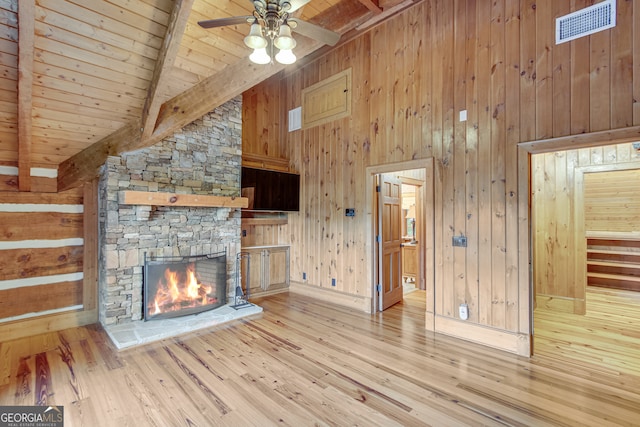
[(586, 21)]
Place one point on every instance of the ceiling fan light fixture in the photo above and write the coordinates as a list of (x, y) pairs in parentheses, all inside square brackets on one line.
[(286, 56), (255, 39), (285, 41), (260, 56)]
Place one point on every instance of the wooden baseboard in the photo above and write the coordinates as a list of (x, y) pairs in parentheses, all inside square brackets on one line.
[(430, 321), (512, 342), (266, 293), (50, 323), (356, 302)]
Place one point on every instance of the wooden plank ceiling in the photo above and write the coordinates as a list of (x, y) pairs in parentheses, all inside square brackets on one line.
[(84, 79)]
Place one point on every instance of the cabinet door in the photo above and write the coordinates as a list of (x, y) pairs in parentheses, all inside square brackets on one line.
[(278, 268), (254, 272)]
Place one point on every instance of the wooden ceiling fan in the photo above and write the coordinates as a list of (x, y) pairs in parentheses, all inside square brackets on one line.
[(271, 26)]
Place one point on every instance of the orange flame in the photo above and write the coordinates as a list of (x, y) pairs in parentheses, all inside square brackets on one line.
[(173, 293)]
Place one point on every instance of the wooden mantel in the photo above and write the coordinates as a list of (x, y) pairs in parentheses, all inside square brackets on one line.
[(148, 198)]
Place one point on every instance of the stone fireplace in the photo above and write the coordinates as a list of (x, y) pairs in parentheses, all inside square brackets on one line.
[(204, 158)]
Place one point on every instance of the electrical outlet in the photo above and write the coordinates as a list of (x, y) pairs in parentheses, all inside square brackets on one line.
[(463, 311), (304, 276), (333, 282)]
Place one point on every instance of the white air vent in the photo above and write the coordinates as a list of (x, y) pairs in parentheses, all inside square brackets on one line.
[(295, 119), (586, 21)]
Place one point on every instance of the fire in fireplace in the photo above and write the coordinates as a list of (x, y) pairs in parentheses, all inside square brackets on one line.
[(178, 286)]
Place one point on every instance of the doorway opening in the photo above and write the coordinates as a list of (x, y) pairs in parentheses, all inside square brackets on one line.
[(402, 213), (585, 242)]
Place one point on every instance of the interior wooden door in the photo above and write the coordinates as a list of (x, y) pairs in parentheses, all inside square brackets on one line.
[(390, 235)]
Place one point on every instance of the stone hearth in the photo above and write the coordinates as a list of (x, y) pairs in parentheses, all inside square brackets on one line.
[(131, 334), (204, 158)]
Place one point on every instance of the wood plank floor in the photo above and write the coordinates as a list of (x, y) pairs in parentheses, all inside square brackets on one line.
[(607, 338), (307, 363)]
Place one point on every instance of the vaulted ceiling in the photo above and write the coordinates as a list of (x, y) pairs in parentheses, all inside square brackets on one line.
[(84, 79)]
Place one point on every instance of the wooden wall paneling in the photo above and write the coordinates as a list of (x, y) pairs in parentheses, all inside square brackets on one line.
[(527, 111), (596, 156), (23, 223), (562, 218), (34, 225), (322, 256), (579, 253), (545, 224), (377, 99), (317, 254), (35, 299), (327, 166), (561, 82), (579, 80), (545, 41), (445, 80), (459, 168), (528, 67), (337, 206), (484, 167), (470, 156), (537, 217), (584, 157), (612, 201), (574, 240), (294, 149), (622, 67), (609, 154), (438, 53), (600, 80), (512, 124), (635, 37), (361, 157), (249, 115), (265, 126), (448, 160), (35, 262), (412, 57), (498, 165), (426, 67)]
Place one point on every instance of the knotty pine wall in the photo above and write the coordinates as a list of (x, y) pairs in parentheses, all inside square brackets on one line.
[(48, 259), (411, 77), (557, 242)]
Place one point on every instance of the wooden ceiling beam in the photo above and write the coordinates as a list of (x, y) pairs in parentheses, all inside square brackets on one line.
[(372, 5), (193, 104), (161, 74), (85, 165), (26, 37)]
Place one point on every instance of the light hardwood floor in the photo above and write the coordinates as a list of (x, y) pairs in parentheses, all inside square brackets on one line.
[(305, 362)]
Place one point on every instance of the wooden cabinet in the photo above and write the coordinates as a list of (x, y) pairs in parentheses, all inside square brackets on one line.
[(266, 270), (409, 261)]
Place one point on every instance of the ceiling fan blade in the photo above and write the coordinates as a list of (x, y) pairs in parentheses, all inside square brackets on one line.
[(315, 32), (296, 4), (222, 22)]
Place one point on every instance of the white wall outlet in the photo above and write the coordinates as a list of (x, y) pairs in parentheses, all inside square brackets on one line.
[(463, 115), (464, 311)]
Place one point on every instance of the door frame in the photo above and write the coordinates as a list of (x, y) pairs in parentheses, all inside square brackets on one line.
[(426, 256), (525, 150)]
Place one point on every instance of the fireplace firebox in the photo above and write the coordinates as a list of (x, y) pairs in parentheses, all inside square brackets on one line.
[(179, 286)]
